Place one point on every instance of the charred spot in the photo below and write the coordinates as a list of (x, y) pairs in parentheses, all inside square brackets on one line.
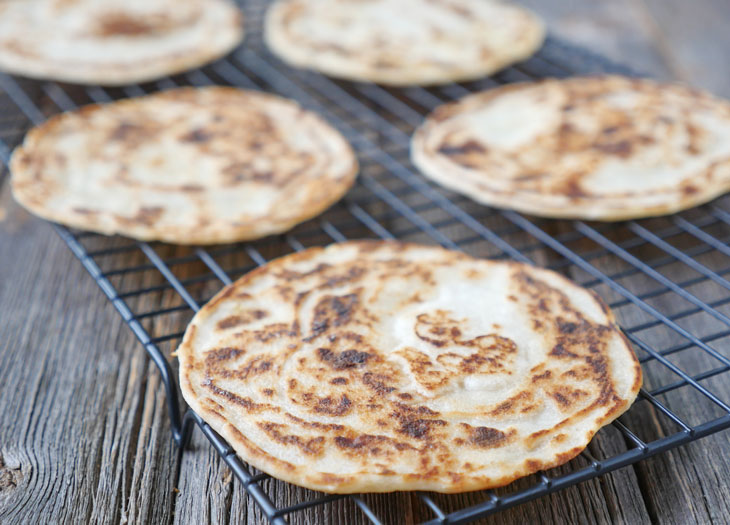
[(84, 211), (539, 377), (598, 365), (405, 396), (124, 130), (565, 128), (241, 172), (690, 190), (376, 383), (353, 274), (437, 328), (622, 148), (147, 215), (486, 437), (339, 381), (192, 188), (330, 479), (352, 336), (329, 406), (563, 401), (470, 146), (420, 410), (237, 320), (560, 351), (403, 446), (341, 360), (292, 384), (532, 465), (364, 440), (244, 402), (417, 428), (268, 392), (256, 366), (121, 24), (197, 136), (573, 189), (566, 327), (276, 330), (291, 275), (334, 427), (503, 407), (262, 176), (225, 353), (313, 446), (608, 130), (332, 311), (694, 135)]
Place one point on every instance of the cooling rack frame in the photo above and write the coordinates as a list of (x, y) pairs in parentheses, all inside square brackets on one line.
[(391, 200)]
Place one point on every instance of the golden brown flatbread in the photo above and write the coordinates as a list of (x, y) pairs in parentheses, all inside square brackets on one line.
[(114, 42), (403, 42), (602, 148), (189, 166), (380, 366)]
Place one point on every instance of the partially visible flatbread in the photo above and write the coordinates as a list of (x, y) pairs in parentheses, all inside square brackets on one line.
[(402, 42), (603, 148), (113, 42), (189, 166), (381, 366)]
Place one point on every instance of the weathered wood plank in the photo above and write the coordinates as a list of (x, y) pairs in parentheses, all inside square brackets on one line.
[(85, 436), (618, 29), (694, 40)]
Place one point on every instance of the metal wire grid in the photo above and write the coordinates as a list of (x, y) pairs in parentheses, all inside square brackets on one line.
[(662, 276)]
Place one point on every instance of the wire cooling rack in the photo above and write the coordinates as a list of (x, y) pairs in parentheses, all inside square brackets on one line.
[(666, 278)]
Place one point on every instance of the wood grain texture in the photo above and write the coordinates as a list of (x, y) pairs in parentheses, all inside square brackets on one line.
[(86, 436)]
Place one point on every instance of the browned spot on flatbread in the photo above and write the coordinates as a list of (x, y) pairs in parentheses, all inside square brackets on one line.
[(197, 136), (341, 360), (333, 311), (470, 146), (248, 316), (486, 437)]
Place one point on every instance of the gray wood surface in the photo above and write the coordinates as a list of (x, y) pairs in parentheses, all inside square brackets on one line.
[(85, 434)]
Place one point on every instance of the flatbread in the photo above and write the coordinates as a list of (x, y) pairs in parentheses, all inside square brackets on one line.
[(381, 366), (402, 42), (114, 42), (188, 166), (601, 148)]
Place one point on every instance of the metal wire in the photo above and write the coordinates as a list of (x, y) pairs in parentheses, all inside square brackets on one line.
[(391, 200)]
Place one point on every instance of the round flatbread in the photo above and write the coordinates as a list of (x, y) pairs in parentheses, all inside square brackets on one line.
[(600, 148), (114, 42), (380, 366), (405, 42), (188, 166)]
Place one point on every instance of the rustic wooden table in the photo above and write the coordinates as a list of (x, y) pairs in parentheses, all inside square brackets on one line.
[(85, 434)]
